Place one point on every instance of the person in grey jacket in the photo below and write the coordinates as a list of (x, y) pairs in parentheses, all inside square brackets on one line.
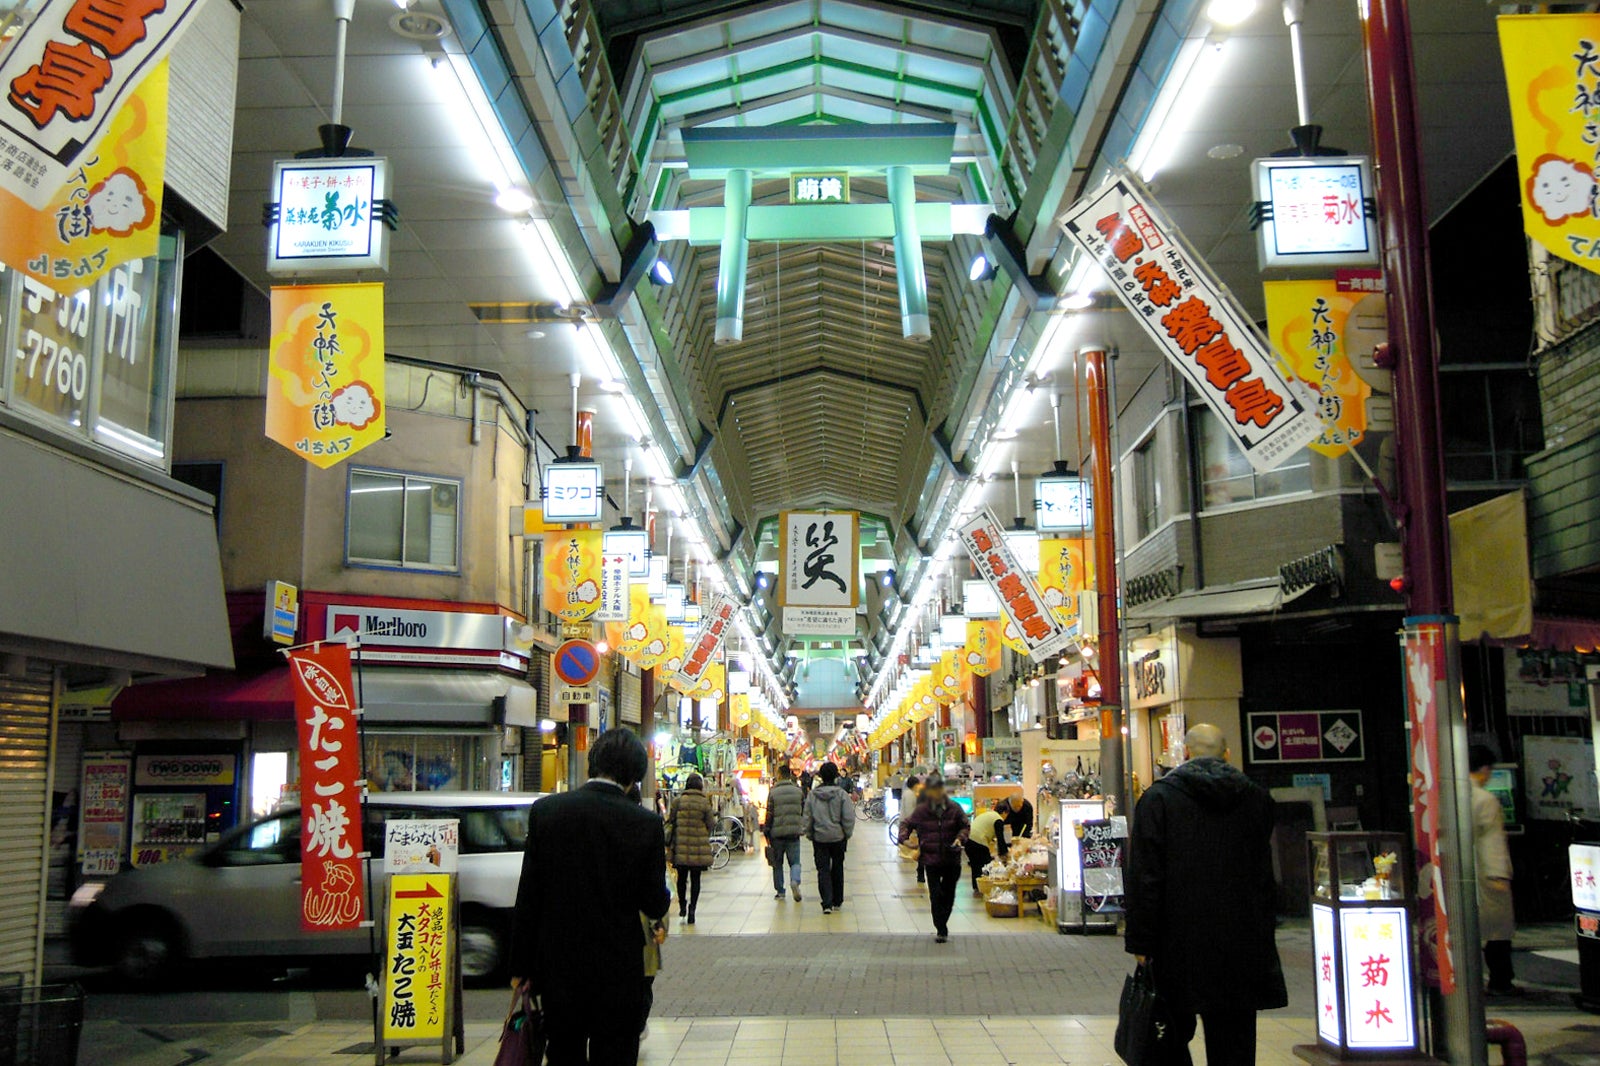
[(786, 813), (830, 818)]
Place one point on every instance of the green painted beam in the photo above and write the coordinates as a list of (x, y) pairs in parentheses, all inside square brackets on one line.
[(820, 222), (733, 237), (714, 152), (914, 324)]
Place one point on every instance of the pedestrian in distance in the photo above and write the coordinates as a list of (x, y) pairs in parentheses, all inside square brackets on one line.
[(786, 818), (1497, 920), (942, 834), (689, 827), (1201, 900), (807, 780), (986, 841), (829, 820), (594, 862), (913, 796)]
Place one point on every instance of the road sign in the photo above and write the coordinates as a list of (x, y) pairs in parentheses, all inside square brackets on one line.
[(577, 662), (568, 695)]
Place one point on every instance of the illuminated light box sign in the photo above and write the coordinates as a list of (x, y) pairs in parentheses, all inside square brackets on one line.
[(1315, 212), (1065, 505), (573, 492), (978, 600), (327, 215)]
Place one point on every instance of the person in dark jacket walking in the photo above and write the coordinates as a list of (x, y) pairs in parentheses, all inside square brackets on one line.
[(786, 816), (829, 821), (1201, 900), (594, 862), (941, 828), (689, 828)]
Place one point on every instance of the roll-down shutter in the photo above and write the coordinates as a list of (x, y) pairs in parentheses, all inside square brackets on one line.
[(26, 716)]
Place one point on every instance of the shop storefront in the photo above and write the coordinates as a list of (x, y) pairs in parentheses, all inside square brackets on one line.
[(1177, 680)]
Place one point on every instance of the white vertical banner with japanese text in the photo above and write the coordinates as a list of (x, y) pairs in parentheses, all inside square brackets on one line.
[(1193, 319), (614, 588), (332, 873), (701, 650), (64, 78), (819, 559), (1040, 630)]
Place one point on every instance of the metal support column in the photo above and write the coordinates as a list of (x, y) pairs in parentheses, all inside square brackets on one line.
[(908, 255), (1108, 661), (1444, 836), (734, 257)]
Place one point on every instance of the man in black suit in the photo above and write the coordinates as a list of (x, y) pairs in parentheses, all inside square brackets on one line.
[(594, 862)]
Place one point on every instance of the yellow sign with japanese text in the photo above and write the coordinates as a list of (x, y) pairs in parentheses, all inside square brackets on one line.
[(1312, 325), (983, 648), (666, 657), (739, 707), (1066, 568), (1553, 78), (325, 378), (109, 210), (417, 966), (573, 570)]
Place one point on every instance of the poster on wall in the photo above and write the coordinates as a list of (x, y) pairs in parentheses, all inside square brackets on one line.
[(103, 813), (332, 874), (1559, 776), (1193, 320)]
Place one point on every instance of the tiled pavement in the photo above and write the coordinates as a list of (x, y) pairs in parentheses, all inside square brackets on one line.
[(753, 984)]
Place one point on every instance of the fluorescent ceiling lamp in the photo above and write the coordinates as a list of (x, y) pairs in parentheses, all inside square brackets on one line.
[(492, 152), (514, 200), (661, 272), (1230, 12), (1180, 99), (552, 259)]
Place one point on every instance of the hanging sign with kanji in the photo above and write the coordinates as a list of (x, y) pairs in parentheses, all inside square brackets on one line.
[(1316, 327), (417, 964), (106, 213), (700, 651), (1036, 626), (65, 79), (1190, 316), (332, 895), (325, 375), (573, 573)]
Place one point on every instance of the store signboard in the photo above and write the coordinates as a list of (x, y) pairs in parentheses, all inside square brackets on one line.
[(1322, 958), (282, 612), (1307, 736), (819, 562), (1375, 957), (68, 73), (1559, 777), (1584, 860), (1035, 625), (978, 600), (1314, 211), (332, 874), (700, 650), (103, 813), (185, 771), (1153, 669), (415, 846), (1065, 505), (819, 621), (573, 492), (417, 965), (326, 215), (1102, 850), (377, 626), (1192, 318), (615, 581)]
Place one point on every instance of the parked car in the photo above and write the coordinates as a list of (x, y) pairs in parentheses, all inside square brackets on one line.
[(240, 897)]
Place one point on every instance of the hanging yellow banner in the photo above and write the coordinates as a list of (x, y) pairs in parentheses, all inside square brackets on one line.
[(1013, 639), (1553, 77), (572, 574), (739, 707), (109, 210), (325, 398), (666, 656), (1313, 326), (983, 646), (947, 678), (1066, 568), (645, 631)]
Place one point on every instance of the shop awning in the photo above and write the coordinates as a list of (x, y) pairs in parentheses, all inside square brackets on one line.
[(434, 697), (263, 696), (1219, 603)]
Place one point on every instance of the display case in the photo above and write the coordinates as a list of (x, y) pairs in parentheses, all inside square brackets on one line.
[(1362, 905)]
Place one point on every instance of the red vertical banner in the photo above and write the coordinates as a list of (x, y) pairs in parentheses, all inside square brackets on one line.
[(1426, 669), (332, 888)]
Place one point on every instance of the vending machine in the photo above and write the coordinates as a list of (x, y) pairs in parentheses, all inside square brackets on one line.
[(181, 802)]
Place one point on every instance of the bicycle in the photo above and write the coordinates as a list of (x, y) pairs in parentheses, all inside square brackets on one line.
[(871, 809), (719, 851), (732, 831), (894, 831)]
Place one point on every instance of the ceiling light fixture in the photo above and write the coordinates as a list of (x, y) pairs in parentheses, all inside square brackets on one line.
[(1182, 95), (1230, 12), (513, 200), (981, 269), (1079, 301), (661, 272)]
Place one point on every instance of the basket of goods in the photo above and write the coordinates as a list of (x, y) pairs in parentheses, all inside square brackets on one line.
[(1047, 910), (1002, 904), (987, 886)]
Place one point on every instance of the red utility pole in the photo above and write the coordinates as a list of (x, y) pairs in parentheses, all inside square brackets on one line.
[(1109, 660), (1438, 735)]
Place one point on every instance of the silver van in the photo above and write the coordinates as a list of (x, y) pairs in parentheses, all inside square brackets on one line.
[(240, 897)]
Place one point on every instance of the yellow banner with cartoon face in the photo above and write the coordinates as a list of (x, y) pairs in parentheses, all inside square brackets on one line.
[(982, 652), (1553, 77), (572, 574), (109, 210), (1066, 568), (325, 383), (1314, 326)]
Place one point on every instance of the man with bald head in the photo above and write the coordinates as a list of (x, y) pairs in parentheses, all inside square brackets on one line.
[(1202, 901)]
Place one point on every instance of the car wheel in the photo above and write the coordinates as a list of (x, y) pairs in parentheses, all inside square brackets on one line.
[(483, 949), (149, 952)]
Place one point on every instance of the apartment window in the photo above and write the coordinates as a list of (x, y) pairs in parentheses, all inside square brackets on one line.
[(403, 520), (1226, 476), (1146, 489)]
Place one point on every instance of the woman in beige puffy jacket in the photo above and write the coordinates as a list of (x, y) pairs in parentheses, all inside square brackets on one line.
[(689, 827)]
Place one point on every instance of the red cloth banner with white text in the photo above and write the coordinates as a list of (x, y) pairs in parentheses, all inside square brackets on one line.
[(332, 872), (1192, 319), (1024, 605), (701, 650), (1426, 674)]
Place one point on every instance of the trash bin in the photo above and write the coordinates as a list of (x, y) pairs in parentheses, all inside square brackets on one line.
[(39, 1025)]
